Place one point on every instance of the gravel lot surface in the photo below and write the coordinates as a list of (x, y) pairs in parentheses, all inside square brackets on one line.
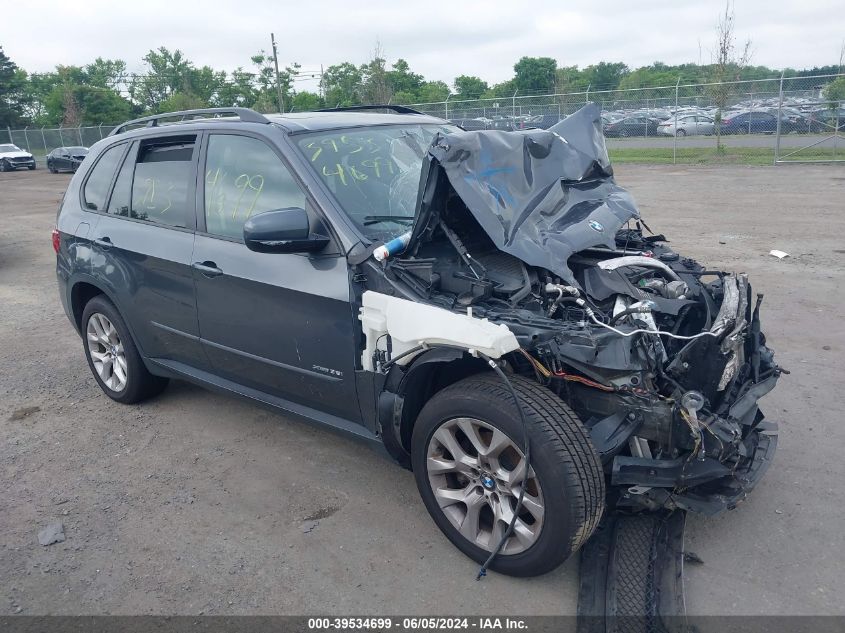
[(197, 503)]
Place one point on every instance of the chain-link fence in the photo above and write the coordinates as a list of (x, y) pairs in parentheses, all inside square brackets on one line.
[(40, 141), (762, 121), (751, 122)]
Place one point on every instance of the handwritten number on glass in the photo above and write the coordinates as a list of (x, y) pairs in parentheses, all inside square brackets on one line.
[(149, 201), (244, 183)]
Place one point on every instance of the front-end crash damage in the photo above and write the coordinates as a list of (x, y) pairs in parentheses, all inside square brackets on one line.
[(663, 360)]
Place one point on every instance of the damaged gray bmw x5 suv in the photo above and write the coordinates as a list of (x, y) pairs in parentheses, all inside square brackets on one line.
[(486, 305)]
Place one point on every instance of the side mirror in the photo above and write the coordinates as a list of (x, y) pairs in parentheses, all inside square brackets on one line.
[(282, 231)]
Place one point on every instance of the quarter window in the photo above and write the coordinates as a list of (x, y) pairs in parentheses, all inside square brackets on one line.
[(97, 186), (122, 193), (244, 177)]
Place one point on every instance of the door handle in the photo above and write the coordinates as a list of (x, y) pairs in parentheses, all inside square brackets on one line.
[(104, 242), (209, 269)]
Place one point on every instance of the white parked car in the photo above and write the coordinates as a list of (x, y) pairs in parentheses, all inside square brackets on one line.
[(687, 124), (13, 157)]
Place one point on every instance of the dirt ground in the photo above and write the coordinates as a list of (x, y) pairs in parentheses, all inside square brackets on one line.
[(197, 503)]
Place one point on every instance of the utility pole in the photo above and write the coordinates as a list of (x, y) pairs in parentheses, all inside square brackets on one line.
[(278, 81)]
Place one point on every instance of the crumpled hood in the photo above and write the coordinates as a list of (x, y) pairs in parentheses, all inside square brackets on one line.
[(541, 195), (15, 155)]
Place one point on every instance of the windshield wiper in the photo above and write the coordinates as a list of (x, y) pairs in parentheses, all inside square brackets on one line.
[(398, 219)]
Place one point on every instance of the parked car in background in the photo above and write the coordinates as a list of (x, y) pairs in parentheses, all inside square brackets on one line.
[(687, 124), (542, 121), (827, 121), (632, 126), (792, 120), (67, 158), (507, 123), (472, 124), (754, 122), (13, 157)]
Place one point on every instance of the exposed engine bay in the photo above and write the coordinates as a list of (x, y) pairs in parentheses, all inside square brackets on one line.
[(662, 359)]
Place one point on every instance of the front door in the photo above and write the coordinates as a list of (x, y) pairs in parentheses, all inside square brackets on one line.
[(279, 323)]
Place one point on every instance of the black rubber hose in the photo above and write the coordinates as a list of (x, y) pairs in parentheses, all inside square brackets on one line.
[(624, 313), (527, 450), (408, 352), (561, 300)]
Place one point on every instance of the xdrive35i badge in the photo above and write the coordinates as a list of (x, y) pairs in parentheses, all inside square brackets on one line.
[(328, 371)]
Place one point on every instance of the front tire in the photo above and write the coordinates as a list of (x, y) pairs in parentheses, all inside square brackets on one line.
[(468, 462), (112, 356)]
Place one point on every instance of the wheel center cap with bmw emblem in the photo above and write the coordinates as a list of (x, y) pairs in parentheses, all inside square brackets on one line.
[(488, 482)]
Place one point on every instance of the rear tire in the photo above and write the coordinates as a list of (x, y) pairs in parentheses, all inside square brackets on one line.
[(112, 356), (5, 165), (566, 483)]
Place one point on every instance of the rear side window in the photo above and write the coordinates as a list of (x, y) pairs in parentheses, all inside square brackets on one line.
[(122, 194), (161, 182), (244, 177), (97, 186)]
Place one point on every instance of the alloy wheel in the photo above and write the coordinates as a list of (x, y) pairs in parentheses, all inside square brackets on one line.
[(476, 473), (107, 353)]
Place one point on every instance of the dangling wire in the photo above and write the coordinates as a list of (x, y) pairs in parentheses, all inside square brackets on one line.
[(527, 451)]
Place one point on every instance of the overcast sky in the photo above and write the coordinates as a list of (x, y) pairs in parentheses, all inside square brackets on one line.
[(438, 39)]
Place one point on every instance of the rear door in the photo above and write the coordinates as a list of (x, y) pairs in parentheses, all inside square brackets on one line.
[(704, 125), (278, 323), (143, 246)]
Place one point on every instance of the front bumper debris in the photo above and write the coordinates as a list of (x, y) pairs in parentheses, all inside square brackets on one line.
[(706, 487)]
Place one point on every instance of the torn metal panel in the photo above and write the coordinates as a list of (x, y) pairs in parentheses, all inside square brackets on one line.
[(541, 195), (611, 435), (671, 473)]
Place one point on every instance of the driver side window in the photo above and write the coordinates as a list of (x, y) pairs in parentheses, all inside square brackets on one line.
[(244, 177)]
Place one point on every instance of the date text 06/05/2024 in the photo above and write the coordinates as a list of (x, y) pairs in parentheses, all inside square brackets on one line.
[(416, 624)]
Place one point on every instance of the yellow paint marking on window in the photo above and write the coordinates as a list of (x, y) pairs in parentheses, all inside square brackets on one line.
[(339, 173)]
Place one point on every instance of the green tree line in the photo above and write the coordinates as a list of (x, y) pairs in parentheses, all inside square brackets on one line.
[(103, 91)]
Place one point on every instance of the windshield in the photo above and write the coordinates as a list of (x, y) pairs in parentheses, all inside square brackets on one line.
[(9, 148), (373, 172)]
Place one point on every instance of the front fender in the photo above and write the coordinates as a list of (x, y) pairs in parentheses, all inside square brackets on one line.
[(407, 389)]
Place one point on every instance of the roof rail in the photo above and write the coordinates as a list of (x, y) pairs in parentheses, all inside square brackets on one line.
[(246, 115), (398, 109)]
